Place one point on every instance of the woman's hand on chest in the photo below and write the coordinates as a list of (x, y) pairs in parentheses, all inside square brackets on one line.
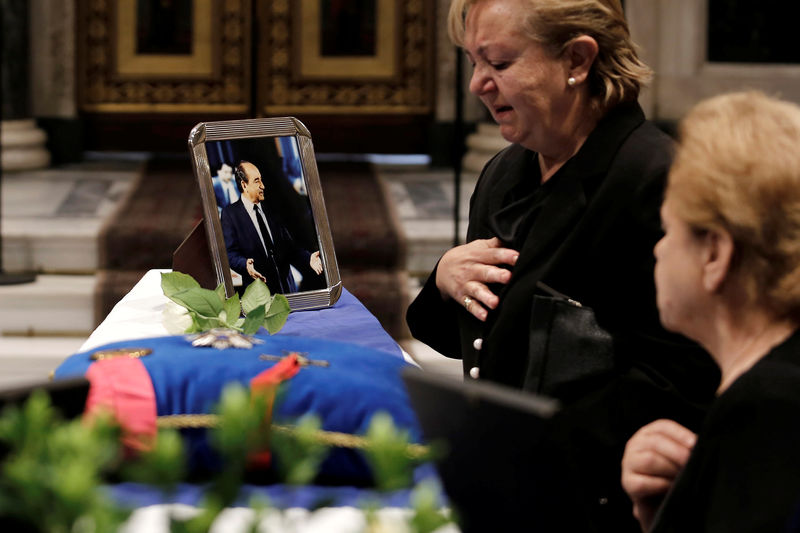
[(464, 273)]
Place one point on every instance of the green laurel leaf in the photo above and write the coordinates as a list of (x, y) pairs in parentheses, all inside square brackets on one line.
[(204, 302), (220, 290), (175, 282), (200, 324), (210, 309), (232, 310), (255, 294), (277, 314), (253, 320)]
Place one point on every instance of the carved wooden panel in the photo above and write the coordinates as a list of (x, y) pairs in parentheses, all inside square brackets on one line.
[(393, 75), (127, 61)]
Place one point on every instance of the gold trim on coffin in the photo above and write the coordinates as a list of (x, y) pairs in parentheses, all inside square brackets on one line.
[(285, 89), (104, 88), (329, 438), (116, 353)]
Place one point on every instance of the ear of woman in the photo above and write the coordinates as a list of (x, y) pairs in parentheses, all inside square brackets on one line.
[(580, 54), (719, 257)]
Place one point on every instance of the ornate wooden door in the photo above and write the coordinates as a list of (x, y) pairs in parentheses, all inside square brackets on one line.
[(359, 73)]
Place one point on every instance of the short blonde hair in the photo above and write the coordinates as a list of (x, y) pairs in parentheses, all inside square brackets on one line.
[(738, 168), (617, 74)]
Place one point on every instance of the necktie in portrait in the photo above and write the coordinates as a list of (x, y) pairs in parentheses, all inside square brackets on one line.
[(269, 245), (265, 233)]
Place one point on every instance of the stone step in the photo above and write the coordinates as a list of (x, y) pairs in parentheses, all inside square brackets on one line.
[(423, 202), (426, 357), (51, 218), (52, 305), (29, 360)]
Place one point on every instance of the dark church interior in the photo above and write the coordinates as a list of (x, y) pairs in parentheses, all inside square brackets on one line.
[(123, 121)]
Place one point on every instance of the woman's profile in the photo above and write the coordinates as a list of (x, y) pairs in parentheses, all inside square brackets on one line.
[(728, 276)]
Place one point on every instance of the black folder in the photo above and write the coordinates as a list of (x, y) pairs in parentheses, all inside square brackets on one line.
[(68, 396), (500, 469)]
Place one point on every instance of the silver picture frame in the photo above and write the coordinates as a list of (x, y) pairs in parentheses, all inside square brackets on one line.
[(282, 150)]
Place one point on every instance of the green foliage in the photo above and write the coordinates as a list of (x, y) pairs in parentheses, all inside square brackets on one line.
[(277, 314), (51, 477), (175, 282), (163, 466), (427, 516), (254, 295), (232, 308), (253, 320), (300, 452), (387, 453), (210, 309), (241, 430)]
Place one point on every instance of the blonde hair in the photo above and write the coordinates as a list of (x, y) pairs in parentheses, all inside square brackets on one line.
[(617, 74), (738, 169)]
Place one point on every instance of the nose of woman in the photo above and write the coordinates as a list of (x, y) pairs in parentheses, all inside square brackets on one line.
[(481, 82)]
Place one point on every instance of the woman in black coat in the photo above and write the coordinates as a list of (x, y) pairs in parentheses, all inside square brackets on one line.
[(728, 276), (572, 203)]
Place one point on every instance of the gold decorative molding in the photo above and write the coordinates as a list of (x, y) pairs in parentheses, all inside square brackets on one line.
[(215, 77), (198, 64), (313, 65), (294, 87)]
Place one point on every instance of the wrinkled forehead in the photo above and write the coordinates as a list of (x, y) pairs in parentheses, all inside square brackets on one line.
[(491, 20), (505, 12)]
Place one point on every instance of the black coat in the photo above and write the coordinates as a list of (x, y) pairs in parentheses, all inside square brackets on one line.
[(592, 240), (744, 474)]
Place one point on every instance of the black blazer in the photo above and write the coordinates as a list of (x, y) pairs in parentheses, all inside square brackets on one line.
[(743, 474), (242, 242), (593, 241)]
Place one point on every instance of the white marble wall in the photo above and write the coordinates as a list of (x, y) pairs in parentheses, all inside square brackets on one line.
[(22, 143), (53, 82), (673, 36)]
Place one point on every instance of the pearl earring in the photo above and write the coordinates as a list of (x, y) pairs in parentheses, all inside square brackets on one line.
[(571, 81)]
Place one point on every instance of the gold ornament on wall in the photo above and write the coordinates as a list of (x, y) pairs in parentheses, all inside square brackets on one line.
[(193, 57), (320, 67)]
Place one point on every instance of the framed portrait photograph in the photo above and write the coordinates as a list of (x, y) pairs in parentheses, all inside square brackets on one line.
[(264, 213)]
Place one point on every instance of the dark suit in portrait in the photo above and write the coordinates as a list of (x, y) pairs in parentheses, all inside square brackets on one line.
[(273, 260), (258, 245)]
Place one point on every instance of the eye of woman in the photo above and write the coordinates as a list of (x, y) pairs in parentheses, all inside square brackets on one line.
[(499, 65)]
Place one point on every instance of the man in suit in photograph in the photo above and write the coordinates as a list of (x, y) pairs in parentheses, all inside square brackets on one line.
[(225, 190), (258, 246)]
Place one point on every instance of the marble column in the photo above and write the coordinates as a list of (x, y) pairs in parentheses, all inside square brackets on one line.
[(22, 143), (482, 145)]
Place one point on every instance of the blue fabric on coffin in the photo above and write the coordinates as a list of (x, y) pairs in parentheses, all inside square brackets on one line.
[(359, 382), (347, 320), (279, 495)]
